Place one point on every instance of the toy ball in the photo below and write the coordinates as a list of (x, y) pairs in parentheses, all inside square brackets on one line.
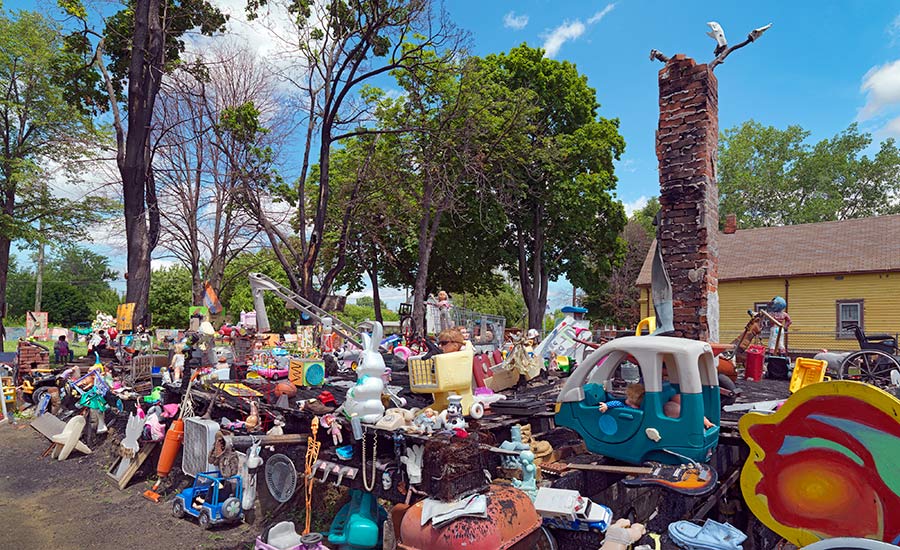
[(285, 388)]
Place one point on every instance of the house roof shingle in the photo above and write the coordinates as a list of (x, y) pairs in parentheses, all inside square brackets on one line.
[(848, 246)]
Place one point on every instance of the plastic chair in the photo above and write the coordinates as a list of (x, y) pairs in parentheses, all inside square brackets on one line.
[(68, 440), (806, 372)]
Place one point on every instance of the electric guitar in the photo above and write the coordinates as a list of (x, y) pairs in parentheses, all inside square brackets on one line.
[(687, 479)]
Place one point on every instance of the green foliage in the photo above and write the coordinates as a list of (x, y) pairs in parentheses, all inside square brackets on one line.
[(506, 302), (236, 296), (354, 314), (556, 180), (646, 215), (170, 297), (177, 18), (46, 110), (772, 177), (75, 286)]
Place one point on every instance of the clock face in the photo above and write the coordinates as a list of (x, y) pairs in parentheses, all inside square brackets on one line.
[(315, 374)]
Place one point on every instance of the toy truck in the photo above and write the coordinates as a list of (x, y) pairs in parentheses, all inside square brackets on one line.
[(566, 509), (212, 499)]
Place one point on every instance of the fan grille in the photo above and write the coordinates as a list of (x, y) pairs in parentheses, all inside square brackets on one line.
[(281, 477)]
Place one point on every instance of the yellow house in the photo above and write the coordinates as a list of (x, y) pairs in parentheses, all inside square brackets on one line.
[(832, 274)]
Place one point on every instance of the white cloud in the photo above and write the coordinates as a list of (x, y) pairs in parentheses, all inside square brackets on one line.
[(892, 128), (636, 204), (571, 30), (882, 87), (894, 30), (601, 14), (627, 165), (513, 21), (562, 34)]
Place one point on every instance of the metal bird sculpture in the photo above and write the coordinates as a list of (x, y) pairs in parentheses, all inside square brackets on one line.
[(756, 33), (717, 34), (722, 50)]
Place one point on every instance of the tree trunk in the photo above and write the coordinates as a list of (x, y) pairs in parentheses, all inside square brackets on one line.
[(4, 275), (197, 289), (144, 73), (534, 284), (307, 270), (376, 296)]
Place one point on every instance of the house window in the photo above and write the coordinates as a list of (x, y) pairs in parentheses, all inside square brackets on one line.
[(849, 314), (764, 322)]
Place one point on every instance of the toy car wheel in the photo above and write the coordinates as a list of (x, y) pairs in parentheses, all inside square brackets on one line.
[(204, 519), (476, 411), (231, 508), (38, 394), (178, 508)]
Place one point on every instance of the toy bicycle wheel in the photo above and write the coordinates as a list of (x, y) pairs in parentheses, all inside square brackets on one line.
[(476, 411)]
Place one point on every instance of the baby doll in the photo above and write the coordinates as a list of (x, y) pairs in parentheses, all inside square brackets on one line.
[(634, 396)]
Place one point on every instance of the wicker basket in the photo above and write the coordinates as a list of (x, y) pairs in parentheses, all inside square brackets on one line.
[(454, 467)]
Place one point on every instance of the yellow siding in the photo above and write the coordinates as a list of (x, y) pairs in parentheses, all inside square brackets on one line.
[(812, 305), (736, 297)]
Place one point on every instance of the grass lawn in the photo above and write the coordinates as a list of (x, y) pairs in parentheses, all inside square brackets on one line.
[(80, 348)]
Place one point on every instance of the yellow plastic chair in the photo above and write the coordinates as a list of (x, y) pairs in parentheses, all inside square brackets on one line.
[(442, 375), (807, 372)]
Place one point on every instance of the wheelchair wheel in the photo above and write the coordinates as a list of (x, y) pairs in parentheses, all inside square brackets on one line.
[(869, 366)]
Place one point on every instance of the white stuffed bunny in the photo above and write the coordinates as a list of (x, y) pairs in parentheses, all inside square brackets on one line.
[(364, 399)]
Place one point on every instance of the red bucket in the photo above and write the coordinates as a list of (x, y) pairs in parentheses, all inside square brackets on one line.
[(754, 363)]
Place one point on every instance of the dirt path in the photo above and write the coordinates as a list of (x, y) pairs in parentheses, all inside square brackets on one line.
[(46, 504)]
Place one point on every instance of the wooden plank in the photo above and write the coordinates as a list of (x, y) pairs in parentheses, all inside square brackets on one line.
[(48, 425), (125, 477)]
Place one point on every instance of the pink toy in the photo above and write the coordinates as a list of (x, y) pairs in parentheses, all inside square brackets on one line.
[(270, 373), (333, 425)]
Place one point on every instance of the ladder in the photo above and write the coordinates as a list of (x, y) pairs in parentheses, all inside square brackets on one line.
[(260, 283)]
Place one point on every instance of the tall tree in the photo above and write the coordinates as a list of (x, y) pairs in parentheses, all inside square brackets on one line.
[(556, 183), (772, 177), (144, 41), (44, 114), (345, 44), (201, 221)]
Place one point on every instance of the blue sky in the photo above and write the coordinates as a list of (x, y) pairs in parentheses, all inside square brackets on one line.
[(822, 65), (808, 69)]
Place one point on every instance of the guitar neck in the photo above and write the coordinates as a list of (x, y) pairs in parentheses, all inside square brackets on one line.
[(611, 469)]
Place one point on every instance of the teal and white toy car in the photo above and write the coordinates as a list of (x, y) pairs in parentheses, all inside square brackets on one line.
[(669, 367)]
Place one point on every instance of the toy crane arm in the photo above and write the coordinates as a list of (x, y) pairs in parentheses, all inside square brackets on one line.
[(260, 283)]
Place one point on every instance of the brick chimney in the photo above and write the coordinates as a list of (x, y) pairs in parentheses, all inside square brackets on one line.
[(687, 149), (730, 224)]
